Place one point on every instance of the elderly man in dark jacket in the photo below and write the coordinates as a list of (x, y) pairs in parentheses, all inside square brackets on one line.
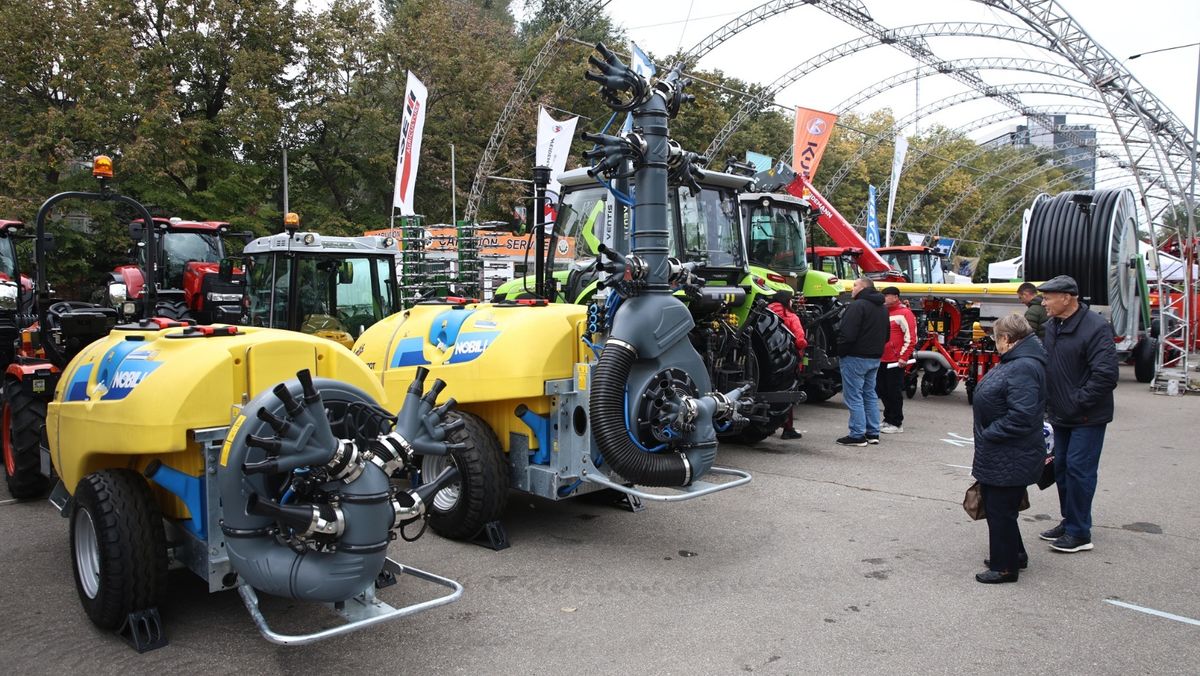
[(1080, 376), (862, 333), (1009, 450)]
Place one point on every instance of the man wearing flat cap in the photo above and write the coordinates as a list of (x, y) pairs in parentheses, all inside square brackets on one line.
[(1080, 377)]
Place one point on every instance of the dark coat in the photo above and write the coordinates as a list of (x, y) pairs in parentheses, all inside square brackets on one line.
[(1036, 315), (1082, 370), (1008, 404), (864, 328)]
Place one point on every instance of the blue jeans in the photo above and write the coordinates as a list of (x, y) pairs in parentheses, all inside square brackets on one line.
[(1076, 461), (858, 391)]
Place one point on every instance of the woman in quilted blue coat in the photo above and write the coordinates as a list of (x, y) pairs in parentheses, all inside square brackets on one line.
[(1009, 405)]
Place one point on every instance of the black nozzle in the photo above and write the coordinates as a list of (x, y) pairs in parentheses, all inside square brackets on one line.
[(418, 383), (427, 491), (311, 396), (261, 467), (279, 425), (290, 404), (434, 390), (446, 407), (292, 516), (268, 444)]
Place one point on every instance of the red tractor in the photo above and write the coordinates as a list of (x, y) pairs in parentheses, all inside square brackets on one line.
[(195, 280)]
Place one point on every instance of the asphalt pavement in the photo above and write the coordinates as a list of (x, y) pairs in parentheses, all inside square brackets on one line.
[(833, 560)]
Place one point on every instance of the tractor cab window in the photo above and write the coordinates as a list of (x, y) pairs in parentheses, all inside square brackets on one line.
[(180, 248), (8, 257), (776, 237), (267, 286), (710, 227), (581, 218), (364, 293), (901, 262)]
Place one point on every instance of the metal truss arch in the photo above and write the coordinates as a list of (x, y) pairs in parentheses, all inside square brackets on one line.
[(752, 105), (520, 93)]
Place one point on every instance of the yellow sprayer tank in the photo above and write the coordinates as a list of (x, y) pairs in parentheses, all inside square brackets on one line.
[(139, 395)]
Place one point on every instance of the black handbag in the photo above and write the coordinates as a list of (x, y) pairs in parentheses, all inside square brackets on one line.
[(1047, 479), (973, 502)]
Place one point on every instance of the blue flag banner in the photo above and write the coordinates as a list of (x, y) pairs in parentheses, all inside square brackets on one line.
[(872, 219), (641, 65)]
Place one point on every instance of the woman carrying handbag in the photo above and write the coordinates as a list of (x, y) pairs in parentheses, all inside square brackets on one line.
[(1009, 449)]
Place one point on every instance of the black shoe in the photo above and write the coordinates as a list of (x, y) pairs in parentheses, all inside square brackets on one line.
[(872, 438), (1070, 543), (995, 577), (1022, 561), (1054, 533), (789, 433), (852, 441)]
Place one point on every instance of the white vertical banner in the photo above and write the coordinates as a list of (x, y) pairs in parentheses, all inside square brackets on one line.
[(897, 165), (554, 145), (409, 153), (642, 65)]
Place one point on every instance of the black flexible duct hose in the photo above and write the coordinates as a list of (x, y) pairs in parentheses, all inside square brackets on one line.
[(607, 409)]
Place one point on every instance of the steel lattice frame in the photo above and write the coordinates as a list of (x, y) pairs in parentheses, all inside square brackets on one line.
[(516, 101), (954, 29), (926, 190)]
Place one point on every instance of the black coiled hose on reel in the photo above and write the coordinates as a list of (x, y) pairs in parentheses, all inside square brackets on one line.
[(1089, 235)]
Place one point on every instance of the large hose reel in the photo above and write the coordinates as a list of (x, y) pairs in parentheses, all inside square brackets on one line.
[(1092, 236)]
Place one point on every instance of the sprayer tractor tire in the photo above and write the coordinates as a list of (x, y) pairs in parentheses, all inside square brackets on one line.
[(1144, 355), (778, 362), (462, 509), (24, 415), (821, 385), (173, 309), (118, 548)]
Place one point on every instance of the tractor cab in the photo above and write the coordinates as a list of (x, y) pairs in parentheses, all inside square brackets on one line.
[(332, 287), (191, 283), (918, 264)]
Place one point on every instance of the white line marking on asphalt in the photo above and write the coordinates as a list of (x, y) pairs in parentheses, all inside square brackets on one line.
[(959, 440), (958, 466), (1151, 611), (8, 502)]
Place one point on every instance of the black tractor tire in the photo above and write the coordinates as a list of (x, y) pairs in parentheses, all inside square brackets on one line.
[(1144, 355), (118, 548), (24, 416), (462, 509), (778, 363), (821, 386), (173, 309)]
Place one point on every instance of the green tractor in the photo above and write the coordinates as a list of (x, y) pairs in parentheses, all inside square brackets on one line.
[(740, 339), (776, 226)]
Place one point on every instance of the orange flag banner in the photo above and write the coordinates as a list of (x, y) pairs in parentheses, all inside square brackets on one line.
[(811, 135)]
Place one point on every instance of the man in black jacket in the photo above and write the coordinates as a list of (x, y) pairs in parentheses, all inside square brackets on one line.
[(862, 333), (1080, 377)]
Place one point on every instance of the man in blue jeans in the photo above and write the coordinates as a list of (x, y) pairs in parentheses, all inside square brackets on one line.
[(1080, 377), (862, 334)]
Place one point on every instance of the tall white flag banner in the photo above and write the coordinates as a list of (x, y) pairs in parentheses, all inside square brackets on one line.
[(554, 145), (642, 65), (409, 152), (897, 165)]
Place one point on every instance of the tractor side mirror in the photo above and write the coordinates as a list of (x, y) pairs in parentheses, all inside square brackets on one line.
[(49, 244), (137, 231), (346, 273), (225, 270)]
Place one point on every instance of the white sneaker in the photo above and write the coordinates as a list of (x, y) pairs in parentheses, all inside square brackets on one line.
[(888, 428)]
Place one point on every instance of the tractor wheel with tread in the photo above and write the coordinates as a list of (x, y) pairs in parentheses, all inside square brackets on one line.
[(461, 510), (1145, 353), (24, 415), (173, 309), (778, 363), (826, 384), (118, 548)]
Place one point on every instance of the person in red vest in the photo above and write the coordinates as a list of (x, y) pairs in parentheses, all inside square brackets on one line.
[(782, 304), (899, 349)]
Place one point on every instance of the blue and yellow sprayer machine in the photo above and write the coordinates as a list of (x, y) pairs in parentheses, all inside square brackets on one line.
[(275, 462)]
